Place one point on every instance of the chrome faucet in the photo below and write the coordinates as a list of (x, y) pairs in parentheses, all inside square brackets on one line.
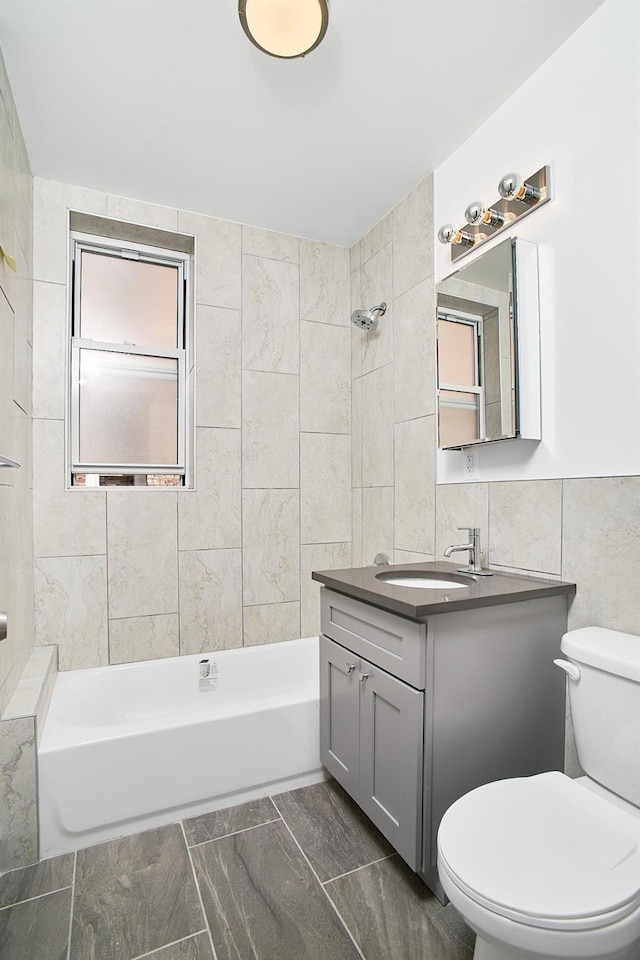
[(474, 552)]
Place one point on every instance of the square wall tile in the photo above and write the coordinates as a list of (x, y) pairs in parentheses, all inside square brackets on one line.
[(270, 315), (357, 344), (271, 623), (6, 377), (210, 600), (325, 488), (271, 546), (376, 286), (65, 522), (49, 350), (377, 523), (218, 367), (324, 283), (51, 203), (209, 516), (7, 186), (71, 609), (268, 243), (356, 524), (414, 375), (356, 432), (413, 237), (317, 556), (22, 349), (137, 211), (461, 505), (18, 810), (355, 259), (415, 485), (525, 525), (601, 551), (377, 238), (143, 552), (325, 378), (412, 556), (270, 429), (377, 428), (217, 258), (143, 638)]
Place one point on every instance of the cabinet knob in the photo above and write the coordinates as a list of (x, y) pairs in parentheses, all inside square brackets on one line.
[(351, 667), (363, 677)]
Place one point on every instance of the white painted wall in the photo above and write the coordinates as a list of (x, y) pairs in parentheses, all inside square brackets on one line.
[(580, 113)]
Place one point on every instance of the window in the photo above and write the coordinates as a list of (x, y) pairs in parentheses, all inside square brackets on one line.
[(130, 364), (460, 392)]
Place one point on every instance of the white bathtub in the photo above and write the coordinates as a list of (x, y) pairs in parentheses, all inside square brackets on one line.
[(129, 747)]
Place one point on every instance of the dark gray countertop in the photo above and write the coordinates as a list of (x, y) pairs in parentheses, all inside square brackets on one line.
[(418, 604)]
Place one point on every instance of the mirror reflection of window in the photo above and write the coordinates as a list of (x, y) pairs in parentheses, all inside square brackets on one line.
[(476, 353), (460, 391)]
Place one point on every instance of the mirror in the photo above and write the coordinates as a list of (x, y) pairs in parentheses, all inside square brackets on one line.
[(488, 348)]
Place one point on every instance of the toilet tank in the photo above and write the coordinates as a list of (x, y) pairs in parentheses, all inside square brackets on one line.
[(605, 707)]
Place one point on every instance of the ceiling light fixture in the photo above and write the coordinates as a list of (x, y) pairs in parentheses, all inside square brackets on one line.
[(284, 28)]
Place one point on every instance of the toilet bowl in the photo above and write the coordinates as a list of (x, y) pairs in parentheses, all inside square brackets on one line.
[(546, 867), (542, 867)]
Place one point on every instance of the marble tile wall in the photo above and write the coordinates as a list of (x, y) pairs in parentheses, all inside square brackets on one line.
[(393, 385), (16, 547), (18, 732), (130, 575)]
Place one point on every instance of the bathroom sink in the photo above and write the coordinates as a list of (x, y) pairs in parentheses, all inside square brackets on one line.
[(422, 580)]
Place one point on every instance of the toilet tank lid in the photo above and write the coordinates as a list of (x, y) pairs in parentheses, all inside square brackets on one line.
[(608, 650)]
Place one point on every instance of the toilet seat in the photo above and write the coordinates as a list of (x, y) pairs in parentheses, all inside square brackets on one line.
[(543, 851)]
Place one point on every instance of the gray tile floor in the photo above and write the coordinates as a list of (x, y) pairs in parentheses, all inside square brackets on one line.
[(301, 876)]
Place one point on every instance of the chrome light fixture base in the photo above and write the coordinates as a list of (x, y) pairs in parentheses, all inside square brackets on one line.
[(518, 198), (285, 29)]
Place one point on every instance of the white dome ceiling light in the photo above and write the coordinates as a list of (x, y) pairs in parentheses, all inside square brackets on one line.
[(284, 28)]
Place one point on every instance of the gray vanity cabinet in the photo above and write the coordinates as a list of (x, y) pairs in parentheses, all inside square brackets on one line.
[(371, 741), (415, 713)]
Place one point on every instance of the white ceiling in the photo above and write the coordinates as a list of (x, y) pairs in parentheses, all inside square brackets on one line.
[(167, 101)]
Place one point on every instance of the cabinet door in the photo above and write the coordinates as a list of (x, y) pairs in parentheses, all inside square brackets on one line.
[(339, 714), (391, 758)]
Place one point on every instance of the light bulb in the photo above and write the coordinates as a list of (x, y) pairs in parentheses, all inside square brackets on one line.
[(449, 233), (476, 212), (513, 187)]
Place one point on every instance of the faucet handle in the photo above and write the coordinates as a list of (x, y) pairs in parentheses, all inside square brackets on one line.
[(472, 531)]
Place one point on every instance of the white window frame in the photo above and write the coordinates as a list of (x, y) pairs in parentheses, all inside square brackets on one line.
[(474, 321), (182, 354)]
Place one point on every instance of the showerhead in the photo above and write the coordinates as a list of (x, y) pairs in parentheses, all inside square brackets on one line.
[(368, 319)]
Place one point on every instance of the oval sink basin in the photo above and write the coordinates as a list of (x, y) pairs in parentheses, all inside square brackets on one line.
[(425, 581)]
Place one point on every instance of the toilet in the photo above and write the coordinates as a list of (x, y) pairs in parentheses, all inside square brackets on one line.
[(546, 867)]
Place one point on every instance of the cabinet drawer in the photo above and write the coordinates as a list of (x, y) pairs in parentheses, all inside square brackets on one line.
[(391, 642)]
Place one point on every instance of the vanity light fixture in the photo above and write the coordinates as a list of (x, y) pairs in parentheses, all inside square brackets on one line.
[(518, 198), (284, 28), (449, 233)]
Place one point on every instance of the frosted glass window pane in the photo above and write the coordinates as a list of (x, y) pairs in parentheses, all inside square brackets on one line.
[(458, 418), (456, 353), (128, 301), (128, 408)]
